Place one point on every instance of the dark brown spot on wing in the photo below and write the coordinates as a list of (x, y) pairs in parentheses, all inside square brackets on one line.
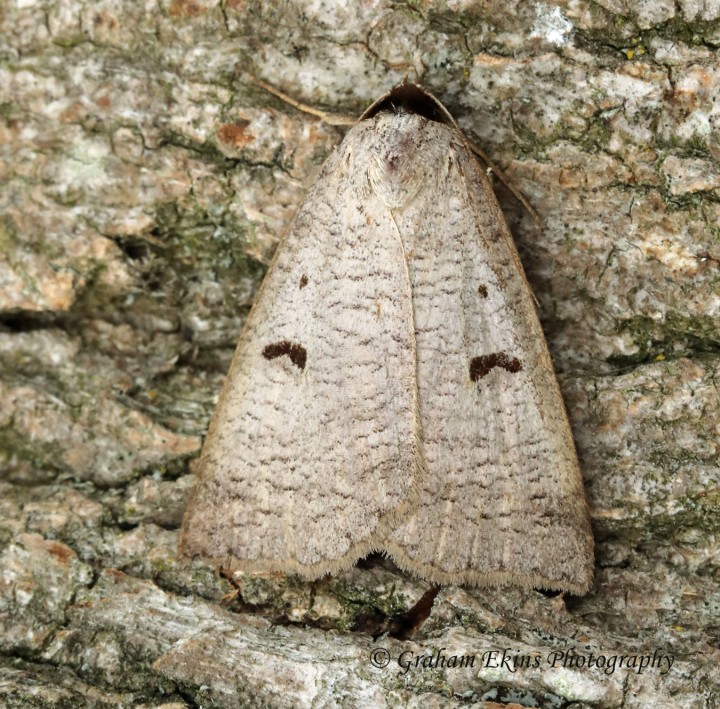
[(483, 291), (480, 366), (303, 281), (296, 352)]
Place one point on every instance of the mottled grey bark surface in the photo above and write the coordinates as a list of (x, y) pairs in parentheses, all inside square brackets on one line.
[(144, 184)]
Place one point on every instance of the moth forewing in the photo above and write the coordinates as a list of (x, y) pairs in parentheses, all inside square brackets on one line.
[(321, 398)]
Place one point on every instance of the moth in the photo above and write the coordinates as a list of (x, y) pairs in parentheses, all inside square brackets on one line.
[(392, 390)]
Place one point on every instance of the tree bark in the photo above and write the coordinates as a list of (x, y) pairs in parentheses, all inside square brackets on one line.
[(145, 183)]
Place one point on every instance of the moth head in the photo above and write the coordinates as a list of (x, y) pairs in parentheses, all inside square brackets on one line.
[(410, 98)]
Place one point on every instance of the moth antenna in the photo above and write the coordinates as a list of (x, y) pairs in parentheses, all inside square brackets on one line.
[(332, 119)]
